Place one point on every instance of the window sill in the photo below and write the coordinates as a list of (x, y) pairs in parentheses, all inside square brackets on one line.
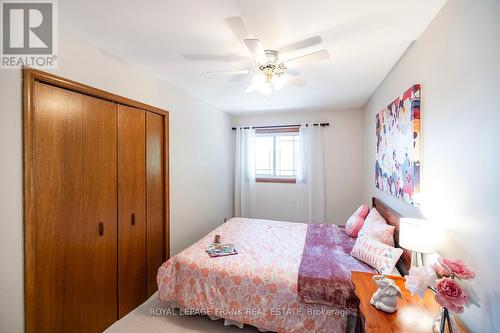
[(276, 180)]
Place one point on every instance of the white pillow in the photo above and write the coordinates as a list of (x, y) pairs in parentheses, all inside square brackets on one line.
[(376, 254), (376, 227)]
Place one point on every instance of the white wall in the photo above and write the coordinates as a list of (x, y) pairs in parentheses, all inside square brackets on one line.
[(200, 158), (457, 61), (343, 164)]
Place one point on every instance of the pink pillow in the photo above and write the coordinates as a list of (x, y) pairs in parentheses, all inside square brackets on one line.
[(355, 222), (376, 254), (354, 225), (376, 227), (362, 211)]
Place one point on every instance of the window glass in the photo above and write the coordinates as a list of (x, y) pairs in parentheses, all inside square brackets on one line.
[(276, 155), (264, 155)]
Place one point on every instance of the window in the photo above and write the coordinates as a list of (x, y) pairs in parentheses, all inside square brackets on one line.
[(276, 153)]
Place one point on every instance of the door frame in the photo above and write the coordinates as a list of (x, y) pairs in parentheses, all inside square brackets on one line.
[(30, 76)]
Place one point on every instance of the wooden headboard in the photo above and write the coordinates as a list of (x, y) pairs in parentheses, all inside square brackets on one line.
[(392, 218)]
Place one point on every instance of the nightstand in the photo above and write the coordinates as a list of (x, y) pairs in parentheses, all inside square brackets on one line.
[(414, 314)]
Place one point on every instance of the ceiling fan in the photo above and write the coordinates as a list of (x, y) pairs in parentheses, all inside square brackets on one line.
[(271, 72)]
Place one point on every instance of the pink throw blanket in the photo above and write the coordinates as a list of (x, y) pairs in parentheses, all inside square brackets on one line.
[(325, 269)]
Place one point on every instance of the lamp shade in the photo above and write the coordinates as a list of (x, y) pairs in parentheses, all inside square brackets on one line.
[(416, 235)]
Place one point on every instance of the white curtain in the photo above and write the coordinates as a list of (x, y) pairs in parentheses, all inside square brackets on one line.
[(310, 205), (244, 174)]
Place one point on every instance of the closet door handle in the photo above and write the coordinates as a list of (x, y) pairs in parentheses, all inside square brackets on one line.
[(133, 218), (101, 229)]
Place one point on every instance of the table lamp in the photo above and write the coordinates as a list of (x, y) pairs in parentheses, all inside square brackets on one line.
[(417, 236)]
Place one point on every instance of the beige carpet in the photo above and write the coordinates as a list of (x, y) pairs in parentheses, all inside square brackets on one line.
[(164, 321)]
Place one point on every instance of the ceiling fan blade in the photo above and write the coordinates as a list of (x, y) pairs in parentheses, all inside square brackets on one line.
[(301, 45), (238, 27), (242, 71), (239, 77), (213, 57), (250, 88), (257, 50), (292, 71), (296, 81), (308, 58)]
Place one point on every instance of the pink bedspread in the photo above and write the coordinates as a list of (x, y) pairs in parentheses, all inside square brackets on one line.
[(325, 269), (258, 286)]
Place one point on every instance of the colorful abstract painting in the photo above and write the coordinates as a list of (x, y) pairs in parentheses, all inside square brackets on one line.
[(397, 167)]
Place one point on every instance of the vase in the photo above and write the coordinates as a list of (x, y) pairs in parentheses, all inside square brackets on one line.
[(445, 322)]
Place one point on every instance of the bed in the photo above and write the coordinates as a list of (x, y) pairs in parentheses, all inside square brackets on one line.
[(260, 285)]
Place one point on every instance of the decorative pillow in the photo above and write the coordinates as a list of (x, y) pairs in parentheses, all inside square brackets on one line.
[(363, 211), (355, 222), (354, 225), (376, 227), (376, 254)]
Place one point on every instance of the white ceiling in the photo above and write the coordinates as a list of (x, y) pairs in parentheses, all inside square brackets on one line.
[(365, 39)]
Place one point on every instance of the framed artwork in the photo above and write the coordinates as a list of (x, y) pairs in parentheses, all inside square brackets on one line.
[(397, 166)]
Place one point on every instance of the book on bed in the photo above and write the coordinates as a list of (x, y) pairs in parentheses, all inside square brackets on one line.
[(221, 250)]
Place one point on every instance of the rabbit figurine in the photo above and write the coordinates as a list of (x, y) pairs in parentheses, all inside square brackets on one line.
[(385, 298)]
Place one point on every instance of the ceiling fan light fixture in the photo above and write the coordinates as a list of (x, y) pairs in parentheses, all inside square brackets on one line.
[(263, 83), (270, 72), (265, 89), (278, 82)]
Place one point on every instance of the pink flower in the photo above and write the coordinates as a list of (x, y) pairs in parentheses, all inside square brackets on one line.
[(450, 295), (419, 279), (439, 269), (457, 267)]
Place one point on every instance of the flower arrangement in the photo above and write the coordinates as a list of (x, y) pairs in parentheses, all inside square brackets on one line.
[(448, 279)]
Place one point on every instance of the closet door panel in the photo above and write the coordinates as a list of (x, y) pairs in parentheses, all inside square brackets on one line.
[(100, 212), (131, 209), (155, 159), (59, 245)]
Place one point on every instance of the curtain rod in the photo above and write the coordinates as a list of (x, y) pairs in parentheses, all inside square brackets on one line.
[(282, 126)]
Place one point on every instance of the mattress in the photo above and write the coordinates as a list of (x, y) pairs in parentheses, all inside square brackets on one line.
[(258, 286)]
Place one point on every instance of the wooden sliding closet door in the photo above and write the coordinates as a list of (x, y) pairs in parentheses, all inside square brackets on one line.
[(99, 213), (155, 163), (131, 209), (58, 228), (95, 204)]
